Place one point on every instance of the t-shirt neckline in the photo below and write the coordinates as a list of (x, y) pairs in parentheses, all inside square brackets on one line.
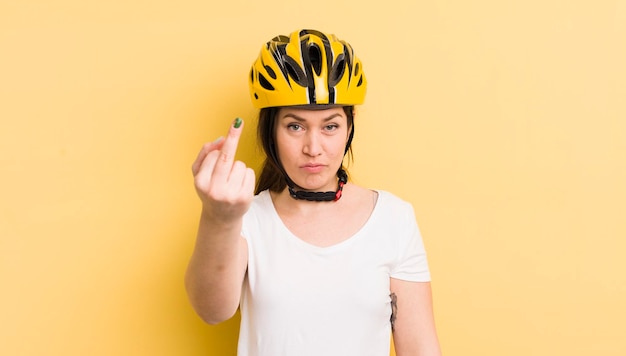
[(325, 249)]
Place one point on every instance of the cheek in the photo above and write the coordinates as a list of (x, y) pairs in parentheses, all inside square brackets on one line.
[(339, 146), (285, 146)]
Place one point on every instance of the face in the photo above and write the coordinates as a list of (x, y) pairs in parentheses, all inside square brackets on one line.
[(311, 145)]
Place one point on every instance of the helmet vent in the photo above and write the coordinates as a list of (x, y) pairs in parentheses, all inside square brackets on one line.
[(315, 56), (270, 71), (265, 83), (295, 72), (338, 70)]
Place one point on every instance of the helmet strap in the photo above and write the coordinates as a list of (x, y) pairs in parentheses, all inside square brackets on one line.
[(320, 196)]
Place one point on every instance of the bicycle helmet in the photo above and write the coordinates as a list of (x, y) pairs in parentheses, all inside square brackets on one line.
[(307, 67)]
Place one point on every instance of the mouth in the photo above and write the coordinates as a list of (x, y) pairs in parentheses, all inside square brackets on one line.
[(313, 167)]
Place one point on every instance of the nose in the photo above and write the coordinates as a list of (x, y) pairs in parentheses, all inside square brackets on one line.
[(312, 145)]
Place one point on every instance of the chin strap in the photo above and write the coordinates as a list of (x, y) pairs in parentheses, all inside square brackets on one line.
[(322, 196)]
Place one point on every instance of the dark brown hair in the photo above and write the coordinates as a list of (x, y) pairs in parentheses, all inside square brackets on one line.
[(272, 176)]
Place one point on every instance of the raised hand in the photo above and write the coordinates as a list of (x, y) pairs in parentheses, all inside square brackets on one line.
[(225, 186)]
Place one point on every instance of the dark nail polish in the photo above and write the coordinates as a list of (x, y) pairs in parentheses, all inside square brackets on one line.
[(237, 123)]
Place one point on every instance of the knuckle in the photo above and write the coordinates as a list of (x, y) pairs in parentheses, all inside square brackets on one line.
[(216, 193), (239, 165), (213, 154)]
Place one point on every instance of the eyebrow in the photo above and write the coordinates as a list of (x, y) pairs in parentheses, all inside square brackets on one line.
[(301, 119)]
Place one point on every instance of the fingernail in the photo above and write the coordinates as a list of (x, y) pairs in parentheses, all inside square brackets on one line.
[(237, 123), (218, 140)]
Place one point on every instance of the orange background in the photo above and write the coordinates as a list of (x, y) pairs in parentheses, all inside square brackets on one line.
[(503, 122)]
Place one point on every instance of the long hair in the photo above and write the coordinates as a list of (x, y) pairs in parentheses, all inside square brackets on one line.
[(272, 177)]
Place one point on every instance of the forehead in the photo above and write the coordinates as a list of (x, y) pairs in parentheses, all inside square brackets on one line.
[(308, 114)]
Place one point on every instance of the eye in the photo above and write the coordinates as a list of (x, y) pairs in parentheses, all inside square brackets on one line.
[(331, 127), (294, 127)]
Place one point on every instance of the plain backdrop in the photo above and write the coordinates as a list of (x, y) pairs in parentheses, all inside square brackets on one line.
[(502, 122)]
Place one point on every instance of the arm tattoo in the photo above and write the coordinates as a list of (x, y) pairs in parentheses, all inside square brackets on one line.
[(394, 310)]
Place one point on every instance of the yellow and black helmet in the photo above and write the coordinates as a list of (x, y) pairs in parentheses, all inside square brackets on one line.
[(307, 68)]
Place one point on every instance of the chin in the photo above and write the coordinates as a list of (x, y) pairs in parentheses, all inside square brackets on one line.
[(319, 187), (309, 182)]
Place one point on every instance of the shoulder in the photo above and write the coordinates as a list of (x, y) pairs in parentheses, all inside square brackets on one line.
[(394, 212), (385, 206), (392, 201), (260, 215), (361, 196), (356, 193), (261, 205), (262, 199)]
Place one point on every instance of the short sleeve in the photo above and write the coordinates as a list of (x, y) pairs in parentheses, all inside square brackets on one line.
[(411, 264)]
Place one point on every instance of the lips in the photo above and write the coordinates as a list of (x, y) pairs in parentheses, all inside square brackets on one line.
[(313, 167)]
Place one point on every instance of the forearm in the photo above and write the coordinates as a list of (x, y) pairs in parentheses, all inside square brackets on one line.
[(216, 269), (427, 345)]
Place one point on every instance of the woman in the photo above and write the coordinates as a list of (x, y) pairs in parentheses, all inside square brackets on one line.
[(318, 265)]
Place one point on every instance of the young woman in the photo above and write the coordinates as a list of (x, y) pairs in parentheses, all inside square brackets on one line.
[(317, 265)]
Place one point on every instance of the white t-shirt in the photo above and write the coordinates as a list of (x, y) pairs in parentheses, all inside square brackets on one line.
[(299, 299)]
